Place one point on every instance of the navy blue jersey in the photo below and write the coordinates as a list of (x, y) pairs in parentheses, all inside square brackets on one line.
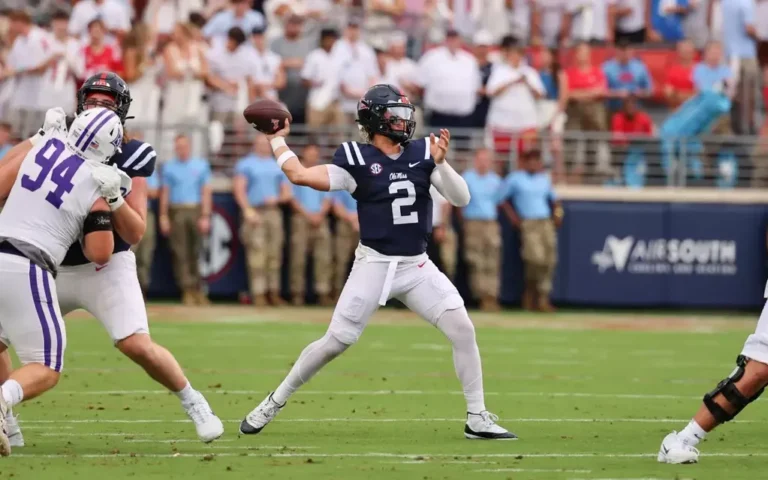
[(137, 159), (393, 202)]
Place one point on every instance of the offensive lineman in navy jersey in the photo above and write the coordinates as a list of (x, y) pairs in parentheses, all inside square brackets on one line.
[(111, 292), (390, 177)]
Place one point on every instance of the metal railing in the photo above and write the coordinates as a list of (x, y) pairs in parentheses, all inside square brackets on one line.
[(588, 158)]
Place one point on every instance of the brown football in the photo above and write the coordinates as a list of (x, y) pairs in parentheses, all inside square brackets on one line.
[(267, 116)]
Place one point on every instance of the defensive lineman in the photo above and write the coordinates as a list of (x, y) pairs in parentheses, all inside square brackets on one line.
[(390, 178), (742, 387), (120, 307), (54, 198)]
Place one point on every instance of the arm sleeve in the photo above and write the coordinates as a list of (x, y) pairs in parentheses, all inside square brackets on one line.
[(340, 179), (449, 183)]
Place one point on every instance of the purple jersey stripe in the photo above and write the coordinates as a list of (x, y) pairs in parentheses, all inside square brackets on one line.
[(56, 322), (87, 129), (96, 129), (40, 314)]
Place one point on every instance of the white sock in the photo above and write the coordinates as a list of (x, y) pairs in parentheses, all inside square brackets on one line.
[(187, 394), (12, 393), (315, 356), (692, 434), (456, 325)]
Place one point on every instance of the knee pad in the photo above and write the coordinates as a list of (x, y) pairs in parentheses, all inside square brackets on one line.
[(732, 394)]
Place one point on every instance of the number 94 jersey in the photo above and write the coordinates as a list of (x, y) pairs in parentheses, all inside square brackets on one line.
[(393, 202), (53, 193)]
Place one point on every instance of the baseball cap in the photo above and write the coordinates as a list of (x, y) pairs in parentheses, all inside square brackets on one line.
[(483, 38)]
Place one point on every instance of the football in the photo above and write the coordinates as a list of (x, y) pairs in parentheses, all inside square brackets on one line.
[(267, 116)]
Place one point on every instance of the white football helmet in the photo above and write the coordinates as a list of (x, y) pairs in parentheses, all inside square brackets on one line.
[(96, 134)]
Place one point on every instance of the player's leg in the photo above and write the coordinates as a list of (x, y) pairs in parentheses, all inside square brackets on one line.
[(428, 292), (743, 386), (252, 237), (359, 300), (298, 262), (322, 264), (272, 218), (15, 436), (32, 323), (119, 306), (341, 246)]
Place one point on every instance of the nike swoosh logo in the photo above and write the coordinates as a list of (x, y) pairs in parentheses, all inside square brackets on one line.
[(422, 264), (413, 164), (665, 449), (98, 269)]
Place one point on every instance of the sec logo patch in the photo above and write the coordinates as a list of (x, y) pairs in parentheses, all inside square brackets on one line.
[(376, 168)]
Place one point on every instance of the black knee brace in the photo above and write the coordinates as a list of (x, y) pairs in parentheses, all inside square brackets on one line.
[(731, 394)]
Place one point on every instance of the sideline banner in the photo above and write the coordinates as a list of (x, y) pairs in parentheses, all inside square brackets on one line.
[(610, 254)]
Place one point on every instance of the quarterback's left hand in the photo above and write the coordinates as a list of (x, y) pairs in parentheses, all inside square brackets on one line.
[(438, 149)]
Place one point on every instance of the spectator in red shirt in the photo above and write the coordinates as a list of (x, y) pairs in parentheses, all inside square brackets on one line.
[(629, 126), (583, 89), (97, 54), (678, 82)]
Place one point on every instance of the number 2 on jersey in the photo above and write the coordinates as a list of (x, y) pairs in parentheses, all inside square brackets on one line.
[(61, 175), (397, 204)]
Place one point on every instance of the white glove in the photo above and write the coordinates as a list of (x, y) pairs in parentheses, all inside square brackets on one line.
[(109, 181), (125, 183), (55, 119)]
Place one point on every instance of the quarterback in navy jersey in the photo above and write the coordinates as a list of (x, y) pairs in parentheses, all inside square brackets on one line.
[(111, 292), (390, 176)]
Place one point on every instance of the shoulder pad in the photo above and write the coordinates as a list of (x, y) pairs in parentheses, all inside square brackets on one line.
[(137, 159), (348, 155)]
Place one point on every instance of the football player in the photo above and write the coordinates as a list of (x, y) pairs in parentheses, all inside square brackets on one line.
[(390, 177), (60, 193), (120, 305)]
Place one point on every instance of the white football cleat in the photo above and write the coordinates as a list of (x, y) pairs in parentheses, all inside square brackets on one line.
[(483, 426), (675, 450), (15, 438), (5, 444), (260, 416), (207, 424)]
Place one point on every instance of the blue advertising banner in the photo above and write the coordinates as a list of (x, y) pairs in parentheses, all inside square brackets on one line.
[(610, 254)]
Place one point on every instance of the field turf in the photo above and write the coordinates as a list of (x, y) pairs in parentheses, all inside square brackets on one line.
[(590, 395)]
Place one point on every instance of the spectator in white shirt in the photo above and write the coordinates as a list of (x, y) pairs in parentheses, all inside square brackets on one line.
[(358, 69), (228, 77), (450, 80), (591, 21), (116, 17), (321, 75), (30, 56), (551, 21), (238, 15), (514, 88), (400, 70), (315, 13), (633, 21), (59, 79), (267, 74)]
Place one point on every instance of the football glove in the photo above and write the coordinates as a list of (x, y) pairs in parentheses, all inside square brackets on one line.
[(55, 118), (109, 180)]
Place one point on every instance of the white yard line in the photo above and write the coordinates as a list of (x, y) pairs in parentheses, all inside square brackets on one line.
[(625, 396), (367, 420), (530, 470), (411, 456)]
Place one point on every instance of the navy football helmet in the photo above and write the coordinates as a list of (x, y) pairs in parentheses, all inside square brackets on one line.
[(111, 84), (385, 110)]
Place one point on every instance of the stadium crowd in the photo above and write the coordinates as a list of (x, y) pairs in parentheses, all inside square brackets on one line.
[(513, 79)]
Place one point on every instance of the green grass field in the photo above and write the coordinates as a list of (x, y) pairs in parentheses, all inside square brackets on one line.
[(590, 395)]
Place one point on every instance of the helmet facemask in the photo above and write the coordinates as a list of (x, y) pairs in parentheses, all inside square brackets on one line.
[(393, 120)]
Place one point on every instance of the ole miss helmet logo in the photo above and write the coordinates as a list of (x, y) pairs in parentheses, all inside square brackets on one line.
[(376, 168)]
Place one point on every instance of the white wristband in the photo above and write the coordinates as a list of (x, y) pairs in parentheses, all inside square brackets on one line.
[(284, 157), (277, 142)]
